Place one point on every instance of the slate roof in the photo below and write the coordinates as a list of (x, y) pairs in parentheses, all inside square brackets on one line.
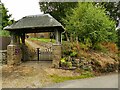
[(42, 22)]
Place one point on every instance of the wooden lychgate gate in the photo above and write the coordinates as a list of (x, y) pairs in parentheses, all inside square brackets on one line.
[(44, 54)]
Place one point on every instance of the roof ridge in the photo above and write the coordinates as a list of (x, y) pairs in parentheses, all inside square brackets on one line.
[(38, 15)]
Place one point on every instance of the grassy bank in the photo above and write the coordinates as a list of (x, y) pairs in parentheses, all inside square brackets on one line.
[(43, 40), (56, 78)]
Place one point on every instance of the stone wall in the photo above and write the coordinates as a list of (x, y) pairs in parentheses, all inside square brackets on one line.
[(3, 56), (14, 54), (56, 55), (4, 41)]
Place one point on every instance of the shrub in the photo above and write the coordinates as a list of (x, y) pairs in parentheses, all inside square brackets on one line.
[(73, 54), (65, 63), (90, 24), (4, 33), (112, 47), (66, 48)]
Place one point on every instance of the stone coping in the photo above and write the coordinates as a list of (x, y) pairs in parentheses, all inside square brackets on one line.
[(2, 51), (57, 44)]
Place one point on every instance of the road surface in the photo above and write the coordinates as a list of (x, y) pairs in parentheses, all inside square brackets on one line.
[(108, 81)]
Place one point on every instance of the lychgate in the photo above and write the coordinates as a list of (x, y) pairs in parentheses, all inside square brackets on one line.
[(33, 24)]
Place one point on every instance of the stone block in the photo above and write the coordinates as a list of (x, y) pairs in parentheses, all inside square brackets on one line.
[(56, 51), (14, 54)]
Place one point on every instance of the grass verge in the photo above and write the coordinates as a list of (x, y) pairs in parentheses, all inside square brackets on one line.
[(43, 40), (57, 79)]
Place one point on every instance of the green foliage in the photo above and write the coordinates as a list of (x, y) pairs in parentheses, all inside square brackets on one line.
[(90, 23), (84, 46), (69, 50), (100, 48), (73, 54), (4, 33), (56, 9), (5, 18), (112, 9), (65, 63), (69, 64), (66, 48), (58, 79)]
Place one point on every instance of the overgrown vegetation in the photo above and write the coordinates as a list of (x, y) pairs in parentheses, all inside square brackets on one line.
[(104, 59)]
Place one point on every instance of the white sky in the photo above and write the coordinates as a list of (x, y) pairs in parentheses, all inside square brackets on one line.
[(21, 8)]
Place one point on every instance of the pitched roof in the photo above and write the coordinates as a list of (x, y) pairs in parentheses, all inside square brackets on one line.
[(43, 22)]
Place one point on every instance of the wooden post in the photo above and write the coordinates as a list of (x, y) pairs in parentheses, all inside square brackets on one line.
[(18, 39), (13, 38), (38, 52), (23, 38), (58, 37)]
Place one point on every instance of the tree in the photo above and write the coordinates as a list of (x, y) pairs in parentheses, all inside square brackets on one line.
[(112, 9), (57, 9), (5, 17), (4, 20), (90, 24)]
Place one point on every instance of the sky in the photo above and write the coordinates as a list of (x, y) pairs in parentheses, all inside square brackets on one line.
[(21, 8)]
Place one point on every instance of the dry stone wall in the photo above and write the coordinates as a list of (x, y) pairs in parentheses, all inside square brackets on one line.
[(3, 56)]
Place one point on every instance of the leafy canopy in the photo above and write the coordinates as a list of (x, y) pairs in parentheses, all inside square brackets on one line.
[(4, 16), (4, 20), (57, 9), (90, 24), (112, 9)]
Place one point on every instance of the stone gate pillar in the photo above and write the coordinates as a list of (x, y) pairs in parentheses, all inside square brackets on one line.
[(56, 55), (56, 49), (14, 51)]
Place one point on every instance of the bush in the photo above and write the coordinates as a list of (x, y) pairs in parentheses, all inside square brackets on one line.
[(111, 47), (90, 24), (65, 63), (66, 48), (73, 54), (4, 33)]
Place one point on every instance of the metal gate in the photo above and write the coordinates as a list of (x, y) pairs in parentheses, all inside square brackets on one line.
[(44, 54)]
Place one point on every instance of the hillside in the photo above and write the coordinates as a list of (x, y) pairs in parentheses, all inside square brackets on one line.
[(102, 60)]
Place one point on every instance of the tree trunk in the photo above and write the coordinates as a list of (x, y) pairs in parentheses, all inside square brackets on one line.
[(67, 37), (77, 39)]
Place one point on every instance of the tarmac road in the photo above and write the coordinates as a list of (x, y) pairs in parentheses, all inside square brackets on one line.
[(107, 81)]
